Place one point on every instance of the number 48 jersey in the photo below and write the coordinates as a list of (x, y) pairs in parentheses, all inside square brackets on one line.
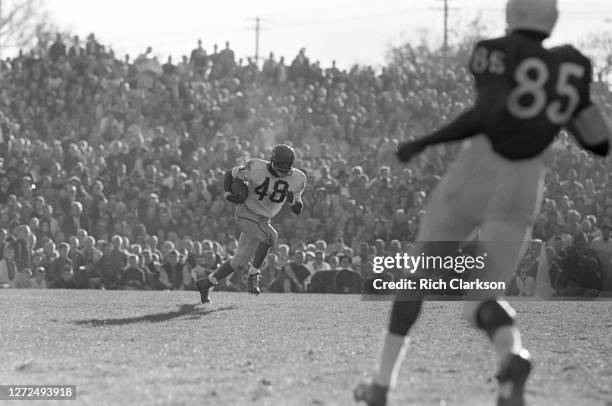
[(535, 91), (268, 193)]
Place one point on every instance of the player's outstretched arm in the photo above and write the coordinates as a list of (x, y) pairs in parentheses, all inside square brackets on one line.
[(592, 130), (465, 126), (492, 90)]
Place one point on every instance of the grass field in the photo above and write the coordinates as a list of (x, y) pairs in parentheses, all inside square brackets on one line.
[(157, 348)]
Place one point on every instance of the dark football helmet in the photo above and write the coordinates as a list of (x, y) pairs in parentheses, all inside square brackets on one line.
[(281, 158)]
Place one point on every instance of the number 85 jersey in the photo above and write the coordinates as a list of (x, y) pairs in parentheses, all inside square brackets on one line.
[(535, 91), (267, 192)]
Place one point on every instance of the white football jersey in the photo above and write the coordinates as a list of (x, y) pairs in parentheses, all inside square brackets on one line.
[(268, 193)]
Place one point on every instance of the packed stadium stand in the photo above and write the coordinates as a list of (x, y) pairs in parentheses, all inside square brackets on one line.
[(112, 170)]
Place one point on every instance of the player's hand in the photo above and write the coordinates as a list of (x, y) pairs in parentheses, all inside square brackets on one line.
[(232, 198), (408, 150)]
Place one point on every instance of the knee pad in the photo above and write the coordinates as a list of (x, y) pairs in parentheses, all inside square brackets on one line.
[(493, 314), (403, 316)]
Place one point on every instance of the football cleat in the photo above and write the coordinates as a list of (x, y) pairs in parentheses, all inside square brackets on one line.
[(512, 375), (253, 283), (203, 286), (371, 393), (282, 158)]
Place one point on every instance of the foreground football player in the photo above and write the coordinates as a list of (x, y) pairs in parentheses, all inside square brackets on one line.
[(525, 95), (270, 185)]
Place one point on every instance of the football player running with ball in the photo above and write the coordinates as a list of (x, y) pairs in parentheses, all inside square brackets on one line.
[(270, 185), (525, 94)]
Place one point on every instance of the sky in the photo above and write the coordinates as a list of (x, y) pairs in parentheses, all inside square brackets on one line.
[(348, 31)]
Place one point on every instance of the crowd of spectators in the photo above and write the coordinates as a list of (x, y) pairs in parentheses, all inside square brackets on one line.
[(111, 169)]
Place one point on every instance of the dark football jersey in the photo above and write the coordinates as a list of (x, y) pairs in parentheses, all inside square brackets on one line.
[(531, 91)]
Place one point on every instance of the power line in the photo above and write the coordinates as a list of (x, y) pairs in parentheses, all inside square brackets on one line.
[(351, 18)]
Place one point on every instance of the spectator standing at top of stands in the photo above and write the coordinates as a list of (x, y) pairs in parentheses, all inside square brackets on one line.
[(227, 58), (300, 66), (214, 56), (169, 68), (75, 49), (199, 58), (269, 68), (92, 47), (282, 72), (57, 50)]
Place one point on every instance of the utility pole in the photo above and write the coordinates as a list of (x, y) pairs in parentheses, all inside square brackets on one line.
[(446, 10), (1, 26), (257, 27), (445, 30)]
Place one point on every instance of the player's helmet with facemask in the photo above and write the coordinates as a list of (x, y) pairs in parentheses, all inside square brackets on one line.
[(282, 158), (534, 15)]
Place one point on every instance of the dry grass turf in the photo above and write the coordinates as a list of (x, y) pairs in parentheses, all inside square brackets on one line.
[(157, 348)]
